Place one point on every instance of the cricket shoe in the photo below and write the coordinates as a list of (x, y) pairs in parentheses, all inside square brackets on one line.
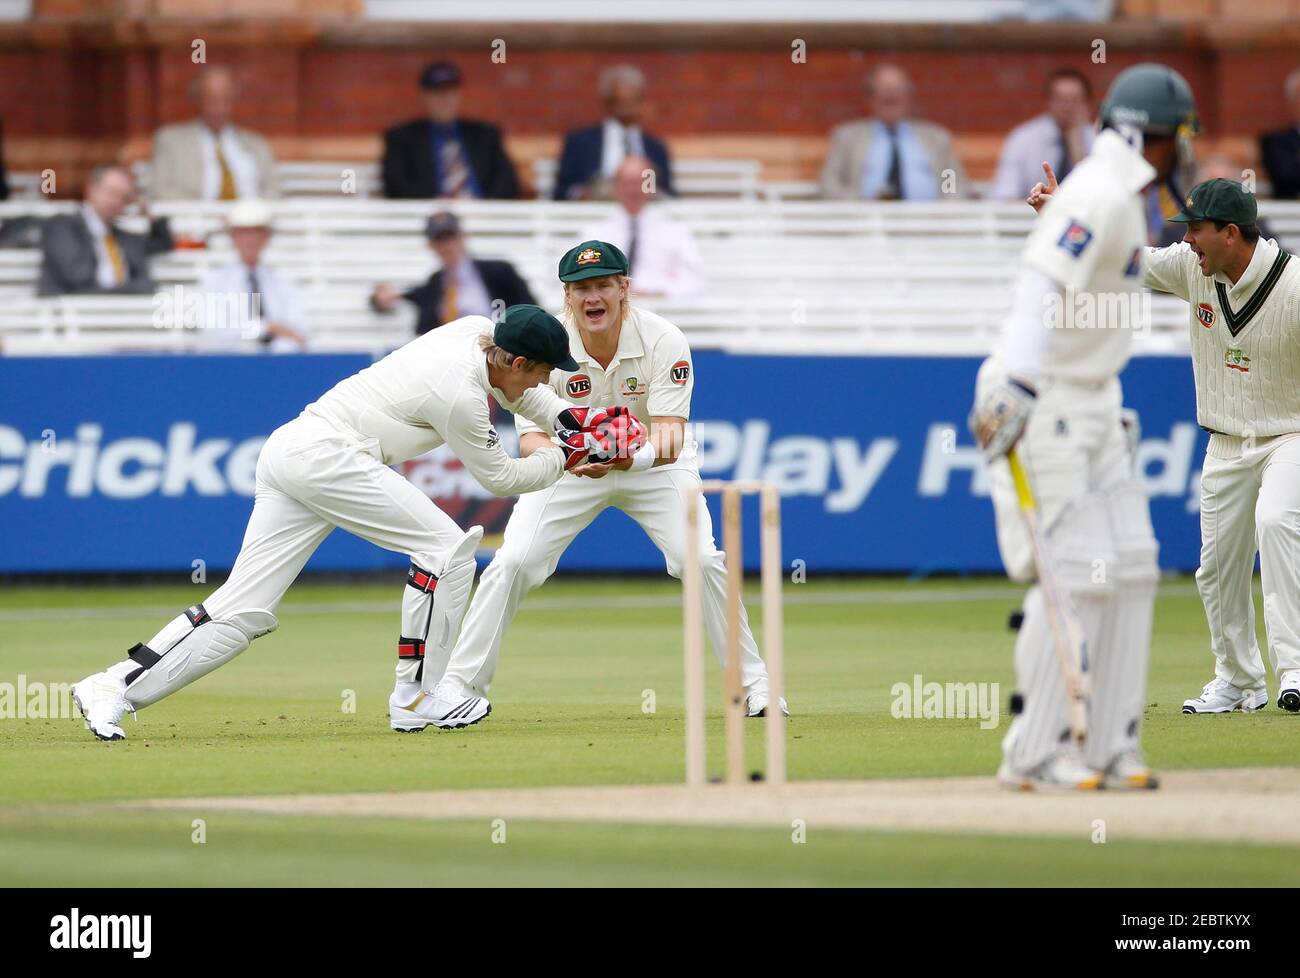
[(1288, 694), (440, 707), (756, 704), (1220, 696), (1063, 771), (101, 698), (1128, 772)]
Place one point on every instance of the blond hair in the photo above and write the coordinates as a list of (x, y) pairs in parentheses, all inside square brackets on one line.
[(497, 357)]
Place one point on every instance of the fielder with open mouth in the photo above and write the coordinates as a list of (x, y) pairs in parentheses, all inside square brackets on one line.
[(330, 467), (629, 358)]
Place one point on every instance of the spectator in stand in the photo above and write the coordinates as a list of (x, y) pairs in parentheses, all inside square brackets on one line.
[(592, 156), (463, 286), (1216, 166), (661, 252), (892, 156), (1062, 136), (1280, 151), (210, 158), (4, 180), (248, 305), (443, 155), (86, 252)]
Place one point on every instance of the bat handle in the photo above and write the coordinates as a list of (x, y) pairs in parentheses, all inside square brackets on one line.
[(1018, 476)]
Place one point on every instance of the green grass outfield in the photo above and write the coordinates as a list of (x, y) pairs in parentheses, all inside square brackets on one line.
[(568, 710)]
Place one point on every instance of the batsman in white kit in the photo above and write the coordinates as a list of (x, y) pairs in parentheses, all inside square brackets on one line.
[(629, 358), (1051, 394), (330, 467)]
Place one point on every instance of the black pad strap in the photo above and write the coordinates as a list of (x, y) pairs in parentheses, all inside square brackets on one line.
[(143, 656), (421, 579)]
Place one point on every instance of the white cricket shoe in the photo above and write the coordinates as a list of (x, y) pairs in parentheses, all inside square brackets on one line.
[(1063, 771), (1220, 696), (1128, 772), (756, 704), (1288, 693), (101, 698), (441, 707)]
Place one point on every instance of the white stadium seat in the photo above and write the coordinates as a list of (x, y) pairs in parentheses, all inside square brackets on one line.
[(785, 275)]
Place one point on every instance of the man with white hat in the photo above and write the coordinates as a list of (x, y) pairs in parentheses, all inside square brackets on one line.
[(248, 306)]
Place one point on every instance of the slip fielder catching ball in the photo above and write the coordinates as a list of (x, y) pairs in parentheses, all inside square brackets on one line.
[(632, 359)]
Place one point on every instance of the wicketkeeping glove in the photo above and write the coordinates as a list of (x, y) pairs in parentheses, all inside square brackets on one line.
[(576, 446), (617, 438), (587, 419)]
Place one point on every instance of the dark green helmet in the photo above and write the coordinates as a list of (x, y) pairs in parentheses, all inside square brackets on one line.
[(1153, 98)]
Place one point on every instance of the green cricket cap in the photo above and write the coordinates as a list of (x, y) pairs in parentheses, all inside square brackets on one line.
[(532, 332), (592, 259), (1219, 200)]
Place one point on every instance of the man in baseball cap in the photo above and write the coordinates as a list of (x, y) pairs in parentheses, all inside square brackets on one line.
[(1222, 226), (640, 364), (532, 332), (443, 155)]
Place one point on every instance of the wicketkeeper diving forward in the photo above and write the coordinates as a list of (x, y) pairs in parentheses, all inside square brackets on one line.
[(330, 467)]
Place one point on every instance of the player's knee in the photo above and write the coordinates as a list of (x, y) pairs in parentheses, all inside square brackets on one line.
[(1274, 522)]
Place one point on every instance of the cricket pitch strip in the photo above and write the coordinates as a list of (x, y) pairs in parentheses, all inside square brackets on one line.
[(1241, 805)]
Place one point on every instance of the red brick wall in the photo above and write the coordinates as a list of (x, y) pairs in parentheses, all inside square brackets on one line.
[(107, 93)]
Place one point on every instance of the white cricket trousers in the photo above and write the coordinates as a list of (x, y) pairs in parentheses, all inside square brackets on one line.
[(543, 525), (1250, 503), (311, 478), (1097, 525)]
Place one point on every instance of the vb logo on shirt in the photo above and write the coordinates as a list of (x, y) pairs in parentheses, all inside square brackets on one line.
[(1205, 313), (681, 372), (579, 385)]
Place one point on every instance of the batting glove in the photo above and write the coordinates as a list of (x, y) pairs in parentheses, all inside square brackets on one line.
[(999, 419)]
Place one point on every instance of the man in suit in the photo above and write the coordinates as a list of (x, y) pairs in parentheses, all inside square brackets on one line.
[(86, 253), (892, 156), (591, 156), (208, 158), (443, 155), (463, 286), (1280, 151)]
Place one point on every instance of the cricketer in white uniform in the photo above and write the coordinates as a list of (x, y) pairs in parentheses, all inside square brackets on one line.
[(330, 467), (1052, 391), (625, 357), (1244, 297)]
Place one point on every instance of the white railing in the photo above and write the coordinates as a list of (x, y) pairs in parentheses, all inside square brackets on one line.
[(842, 277)]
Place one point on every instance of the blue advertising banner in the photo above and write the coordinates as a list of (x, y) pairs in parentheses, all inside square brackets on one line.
[(141, 463)]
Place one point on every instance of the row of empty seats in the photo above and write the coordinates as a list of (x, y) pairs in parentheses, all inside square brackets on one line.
[(784, 276)]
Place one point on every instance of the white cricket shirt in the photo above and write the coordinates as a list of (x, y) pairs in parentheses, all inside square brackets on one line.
[(1245, 338), (435, 390)]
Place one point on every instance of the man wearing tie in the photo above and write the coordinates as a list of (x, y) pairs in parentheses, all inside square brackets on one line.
[(663, 258), (1062, 136), (443, 155), (591, 157), (892, 156), (462, 286), (248, 306), (209, 158), (86, 252), (1280, 151)]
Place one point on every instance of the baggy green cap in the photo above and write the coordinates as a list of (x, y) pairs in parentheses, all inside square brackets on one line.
[(592, 259), (1220, 200), (532, 332)]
